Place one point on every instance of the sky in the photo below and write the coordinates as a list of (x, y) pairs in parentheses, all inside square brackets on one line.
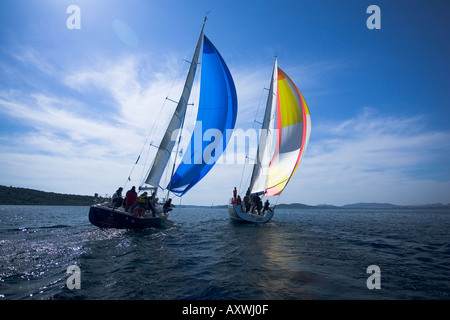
[(81, 90)]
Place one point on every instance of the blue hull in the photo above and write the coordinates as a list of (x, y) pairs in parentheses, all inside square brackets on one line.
[(108, 217)]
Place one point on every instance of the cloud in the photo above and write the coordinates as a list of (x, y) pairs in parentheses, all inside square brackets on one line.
[(374, 158), (140, 92), (368, 158), (81, 133), (92, 125), (31, 58), (91, 129)]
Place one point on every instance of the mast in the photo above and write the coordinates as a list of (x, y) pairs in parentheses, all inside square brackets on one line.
[(167, 144), (217, 111), (261, 167)]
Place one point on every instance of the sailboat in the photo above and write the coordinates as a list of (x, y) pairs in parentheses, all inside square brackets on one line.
[(287, 111), (217, 109)]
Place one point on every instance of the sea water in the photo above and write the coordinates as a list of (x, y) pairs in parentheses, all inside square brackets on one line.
[(202, 254)]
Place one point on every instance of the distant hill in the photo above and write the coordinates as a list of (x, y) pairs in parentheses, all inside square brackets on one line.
[(370, 205), (294, 206), (23, 196), (391, 206), (361, 205)]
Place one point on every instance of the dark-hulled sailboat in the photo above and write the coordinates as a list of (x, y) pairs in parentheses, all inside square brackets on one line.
[(217, 109)]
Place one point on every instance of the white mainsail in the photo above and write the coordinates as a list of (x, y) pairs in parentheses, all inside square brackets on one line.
[(167, 144), (261, 167)]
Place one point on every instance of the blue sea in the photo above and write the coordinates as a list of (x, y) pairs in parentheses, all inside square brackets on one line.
[(318, 254)]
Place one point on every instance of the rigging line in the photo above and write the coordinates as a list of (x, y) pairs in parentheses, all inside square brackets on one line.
[(146, 160), (179, 206), (183, 121), (151, 131), (146, 141), (276, 202), (173, 83), (247, 182), (176, 156)]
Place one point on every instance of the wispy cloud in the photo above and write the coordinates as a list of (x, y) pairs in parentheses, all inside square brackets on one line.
[(84, 136), (31, 58), (65, 136), (372, 157)]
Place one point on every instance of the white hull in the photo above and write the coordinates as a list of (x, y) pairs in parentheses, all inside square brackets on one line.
[(237, 214)]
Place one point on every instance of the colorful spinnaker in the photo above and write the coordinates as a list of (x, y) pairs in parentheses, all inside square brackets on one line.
[(288, 122), (294, 128)]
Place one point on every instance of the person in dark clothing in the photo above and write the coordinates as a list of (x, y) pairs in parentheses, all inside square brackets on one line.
[(258, 204), (167, 206), (266, 206), (117, 199), (247, 203)]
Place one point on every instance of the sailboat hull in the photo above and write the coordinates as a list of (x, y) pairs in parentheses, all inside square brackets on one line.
[(107, 217), (236, 214)]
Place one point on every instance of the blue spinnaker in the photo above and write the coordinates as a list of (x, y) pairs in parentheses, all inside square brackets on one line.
[(216, 114)]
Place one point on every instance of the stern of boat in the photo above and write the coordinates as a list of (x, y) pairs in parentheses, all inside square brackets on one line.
[(237, 214)]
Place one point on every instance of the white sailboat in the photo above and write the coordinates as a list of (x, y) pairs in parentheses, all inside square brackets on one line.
[(217, 109), (287, 119)]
